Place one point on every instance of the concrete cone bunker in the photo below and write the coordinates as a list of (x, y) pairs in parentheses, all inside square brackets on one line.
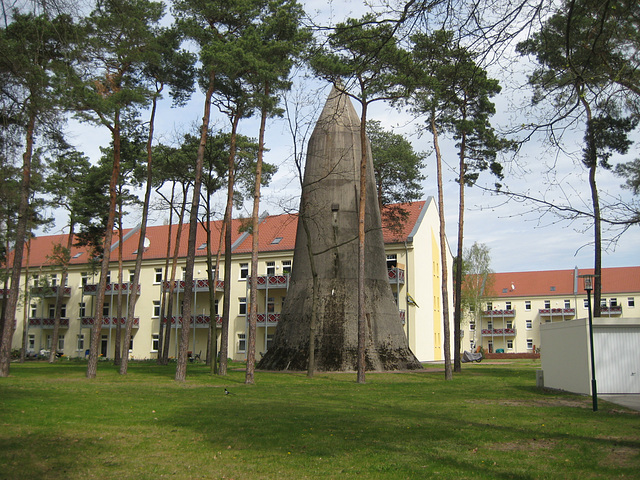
[(331, 190)]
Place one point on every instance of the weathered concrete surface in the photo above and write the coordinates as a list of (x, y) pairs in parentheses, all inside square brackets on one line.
[(331, 190)]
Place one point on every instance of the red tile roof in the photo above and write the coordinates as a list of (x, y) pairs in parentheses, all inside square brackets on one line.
[(274, 227), (563, 282)]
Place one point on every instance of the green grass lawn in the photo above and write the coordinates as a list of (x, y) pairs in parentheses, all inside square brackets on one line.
[(490, 422)]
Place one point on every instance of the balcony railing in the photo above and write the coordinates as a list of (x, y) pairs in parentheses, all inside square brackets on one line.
[(199, 285), (608, 311), (490, 332), (396, 275), (47, 322), (202, 321), (550, 312), (272, 281), (268, 318), (50, 291), (499, 313), (111, 288), (110, 322)]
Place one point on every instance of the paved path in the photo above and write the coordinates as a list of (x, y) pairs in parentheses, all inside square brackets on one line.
[(628, 400)]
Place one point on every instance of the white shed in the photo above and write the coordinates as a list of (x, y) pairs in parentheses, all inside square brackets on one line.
[(565, 360)]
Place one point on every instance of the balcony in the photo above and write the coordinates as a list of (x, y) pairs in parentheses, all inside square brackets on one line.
[(609, 311), (111, 288), (199, 285), (559, 312), (503, 332), (47, 323), (268, 319), (272, 281), (396, 275), (202, 321), (50, 291), (109, 322), (499, 313)]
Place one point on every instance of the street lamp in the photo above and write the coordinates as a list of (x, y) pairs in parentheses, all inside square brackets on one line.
[(588, 286)]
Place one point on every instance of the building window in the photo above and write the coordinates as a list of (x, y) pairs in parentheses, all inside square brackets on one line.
[(36, 278), (131, 275), (276, 240), (507, 306), (34, 310), (215, 306), (286, 267), (81, 341), (242, 306), (509, 323), (108, 277), (527, 305), (603, 302), (155, 342), (105, 309), (529, 325), (631, 302), (52, 310), (392, 260), (547, 304), (156, 308), (613, 302), (567, 304), (60, 342), (271, 305), (490, 325), (82, 309), (242, 343), (244, 270), (158, 276), (585, 303), (489, 305), (32, 342), (84, 278), (529, 343), (131, 344), (54, 279), (509, 344), (271, 268), (269, 340), (472, 325)]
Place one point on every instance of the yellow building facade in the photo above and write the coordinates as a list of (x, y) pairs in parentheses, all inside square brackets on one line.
[(413, 262)]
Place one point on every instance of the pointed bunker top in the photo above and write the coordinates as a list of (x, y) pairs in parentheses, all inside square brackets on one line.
[(338, 111)]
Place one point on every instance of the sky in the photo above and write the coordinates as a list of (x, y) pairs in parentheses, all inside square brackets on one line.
[(519, 235)]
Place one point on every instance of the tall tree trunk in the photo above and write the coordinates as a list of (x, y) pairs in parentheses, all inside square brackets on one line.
[(92, 365), (164, 314), (255, 223), (25, 310), (595, 201), (21, 232), (120, 349), (362, 203), (212, 276), (172, 278), (133, 288), (60, 296), (448, 374), (181, 370), (457, 295), (224, 336)]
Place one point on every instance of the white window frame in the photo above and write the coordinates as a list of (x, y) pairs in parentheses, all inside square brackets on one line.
[(60, 342), (271, 268), (631, 302), (527, 305), (507, 305), (157, 279), (244, 271), (547, 304), (567, 303), (242, 343), (286, 267), (31, 339), (82, 309), (529, 343), (155, 342), (80, 342), (242, 306), (156, 309), (529, 324), (509, 344)]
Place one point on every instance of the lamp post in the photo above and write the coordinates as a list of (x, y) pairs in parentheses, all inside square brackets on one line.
[(588, 286)]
